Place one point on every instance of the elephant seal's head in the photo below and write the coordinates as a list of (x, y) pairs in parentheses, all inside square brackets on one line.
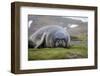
[(60, 39)]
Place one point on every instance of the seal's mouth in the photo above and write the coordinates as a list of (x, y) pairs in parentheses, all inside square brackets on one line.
[(60, 43)]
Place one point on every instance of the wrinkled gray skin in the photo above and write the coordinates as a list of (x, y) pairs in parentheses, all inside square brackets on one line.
[(50, 37)]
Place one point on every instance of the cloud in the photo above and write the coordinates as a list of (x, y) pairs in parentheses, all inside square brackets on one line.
[(73, 26), (83, 19)]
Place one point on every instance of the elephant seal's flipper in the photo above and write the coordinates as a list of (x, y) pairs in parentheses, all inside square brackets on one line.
[(40, 41)]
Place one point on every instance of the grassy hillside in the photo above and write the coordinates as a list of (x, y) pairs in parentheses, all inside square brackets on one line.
[(58, 53)]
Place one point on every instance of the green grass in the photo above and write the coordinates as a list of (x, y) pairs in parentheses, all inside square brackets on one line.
[(78, 51)]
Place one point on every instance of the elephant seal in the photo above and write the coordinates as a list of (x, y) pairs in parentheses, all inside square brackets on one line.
[(51, 36)]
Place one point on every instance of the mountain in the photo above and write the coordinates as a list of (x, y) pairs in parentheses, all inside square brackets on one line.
[(39, 21)]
